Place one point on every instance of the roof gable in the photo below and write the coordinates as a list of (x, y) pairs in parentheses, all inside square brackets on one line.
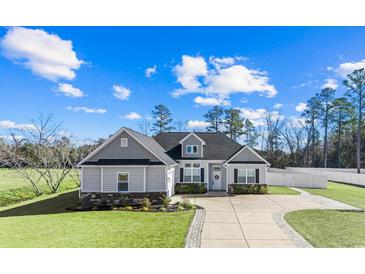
[(248, 155), (217, 145), (144, 141), (192, 135)]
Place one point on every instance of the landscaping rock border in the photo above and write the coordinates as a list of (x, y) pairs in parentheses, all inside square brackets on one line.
[(193, 239), (327, 203), (298, 240)]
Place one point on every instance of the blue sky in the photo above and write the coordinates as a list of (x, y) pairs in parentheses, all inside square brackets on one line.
[(92, 78)]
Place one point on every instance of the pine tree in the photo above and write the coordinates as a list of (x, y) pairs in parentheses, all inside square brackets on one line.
[(215, 119), (341, 115), (233, 123), (355, 84), (325, 98), (250, 133), (162, 119), (311, 115)]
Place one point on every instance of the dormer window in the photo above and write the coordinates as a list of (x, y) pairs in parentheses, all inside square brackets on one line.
[(124, 142), (191, 149)]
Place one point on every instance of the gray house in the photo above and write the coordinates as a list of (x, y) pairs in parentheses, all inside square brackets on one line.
[(132, 164)]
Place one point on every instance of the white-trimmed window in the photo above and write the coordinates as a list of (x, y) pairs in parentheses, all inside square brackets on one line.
[(246, 176), (191, 149), (123, 179), (192, 172), (124, 142)]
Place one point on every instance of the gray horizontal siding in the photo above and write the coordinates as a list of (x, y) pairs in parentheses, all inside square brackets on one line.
[(91, 179), (134, 150), (155, 179), (110, 178)]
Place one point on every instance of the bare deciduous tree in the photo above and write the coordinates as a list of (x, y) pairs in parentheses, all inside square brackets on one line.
[(42, 157), (145, 126)]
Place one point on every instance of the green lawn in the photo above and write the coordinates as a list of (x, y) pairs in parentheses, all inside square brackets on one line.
[(333, 228), (44, 222), (14, 189), (351, 195), (282, 190)]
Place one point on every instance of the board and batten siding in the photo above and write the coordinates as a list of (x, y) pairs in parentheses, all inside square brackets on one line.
[(192, 140), (91, 179), (135, 178), (134, 150), (155, 179), (246, 155)]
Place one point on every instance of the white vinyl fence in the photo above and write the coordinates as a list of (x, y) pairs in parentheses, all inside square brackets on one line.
[(338, 175), (282, 177)]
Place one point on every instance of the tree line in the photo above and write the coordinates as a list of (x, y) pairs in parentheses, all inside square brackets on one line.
[(227, 121), (329, 133)]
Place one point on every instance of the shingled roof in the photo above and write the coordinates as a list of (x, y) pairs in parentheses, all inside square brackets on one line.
[(217, 145)]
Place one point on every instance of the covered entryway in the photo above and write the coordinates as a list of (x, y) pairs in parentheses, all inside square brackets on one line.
[(217, 177)]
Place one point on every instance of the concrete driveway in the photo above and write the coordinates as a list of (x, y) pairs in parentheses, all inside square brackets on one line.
[(252, 220)]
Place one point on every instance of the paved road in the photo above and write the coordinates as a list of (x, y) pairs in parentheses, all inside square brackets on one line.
[(249, 220)]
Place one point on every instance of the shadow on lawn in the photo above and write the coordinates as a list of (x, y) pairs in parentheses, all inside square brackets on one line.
[(53, 205)]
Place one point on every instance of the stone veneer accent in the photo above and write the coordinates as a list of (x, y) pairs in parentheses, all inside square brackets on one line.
[(118, 199), (247, 188)]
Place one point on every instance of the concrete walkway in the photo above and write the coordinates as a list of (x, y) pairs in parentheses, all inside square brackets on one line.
[(252, 220)]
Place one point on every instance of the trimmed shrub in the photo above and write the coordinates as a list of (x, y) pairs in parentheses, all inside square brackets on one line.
[(247, 188), (190, 188), (185, 203), (165, 201), (146, 203)]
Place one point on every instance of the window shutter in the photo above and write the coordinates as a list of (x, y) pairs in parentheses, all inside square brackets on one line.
[(235, 175), (202, 175), (181, 175), (257, 176)]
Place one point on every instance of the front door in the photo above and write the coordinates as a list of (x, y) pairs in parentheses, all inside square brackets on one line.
[(217, 179)]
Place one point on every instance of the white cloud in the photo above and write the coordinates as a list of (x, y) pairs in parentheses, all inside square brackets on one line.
[(253, 114), (329, 68), (188, 72), (121, 92), (69, 90), (63, 133), (301, 107), (238, 78), (330, 83), (256, 116), (12, 137), (347, 68), (297, 121), (46, 55), (211, 101), (305, 84), (278, 106), (149, 71), (133, 116), (225, 61), (221, 62), (12, 125), (197, 125), (221, 77), (87, 110)]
